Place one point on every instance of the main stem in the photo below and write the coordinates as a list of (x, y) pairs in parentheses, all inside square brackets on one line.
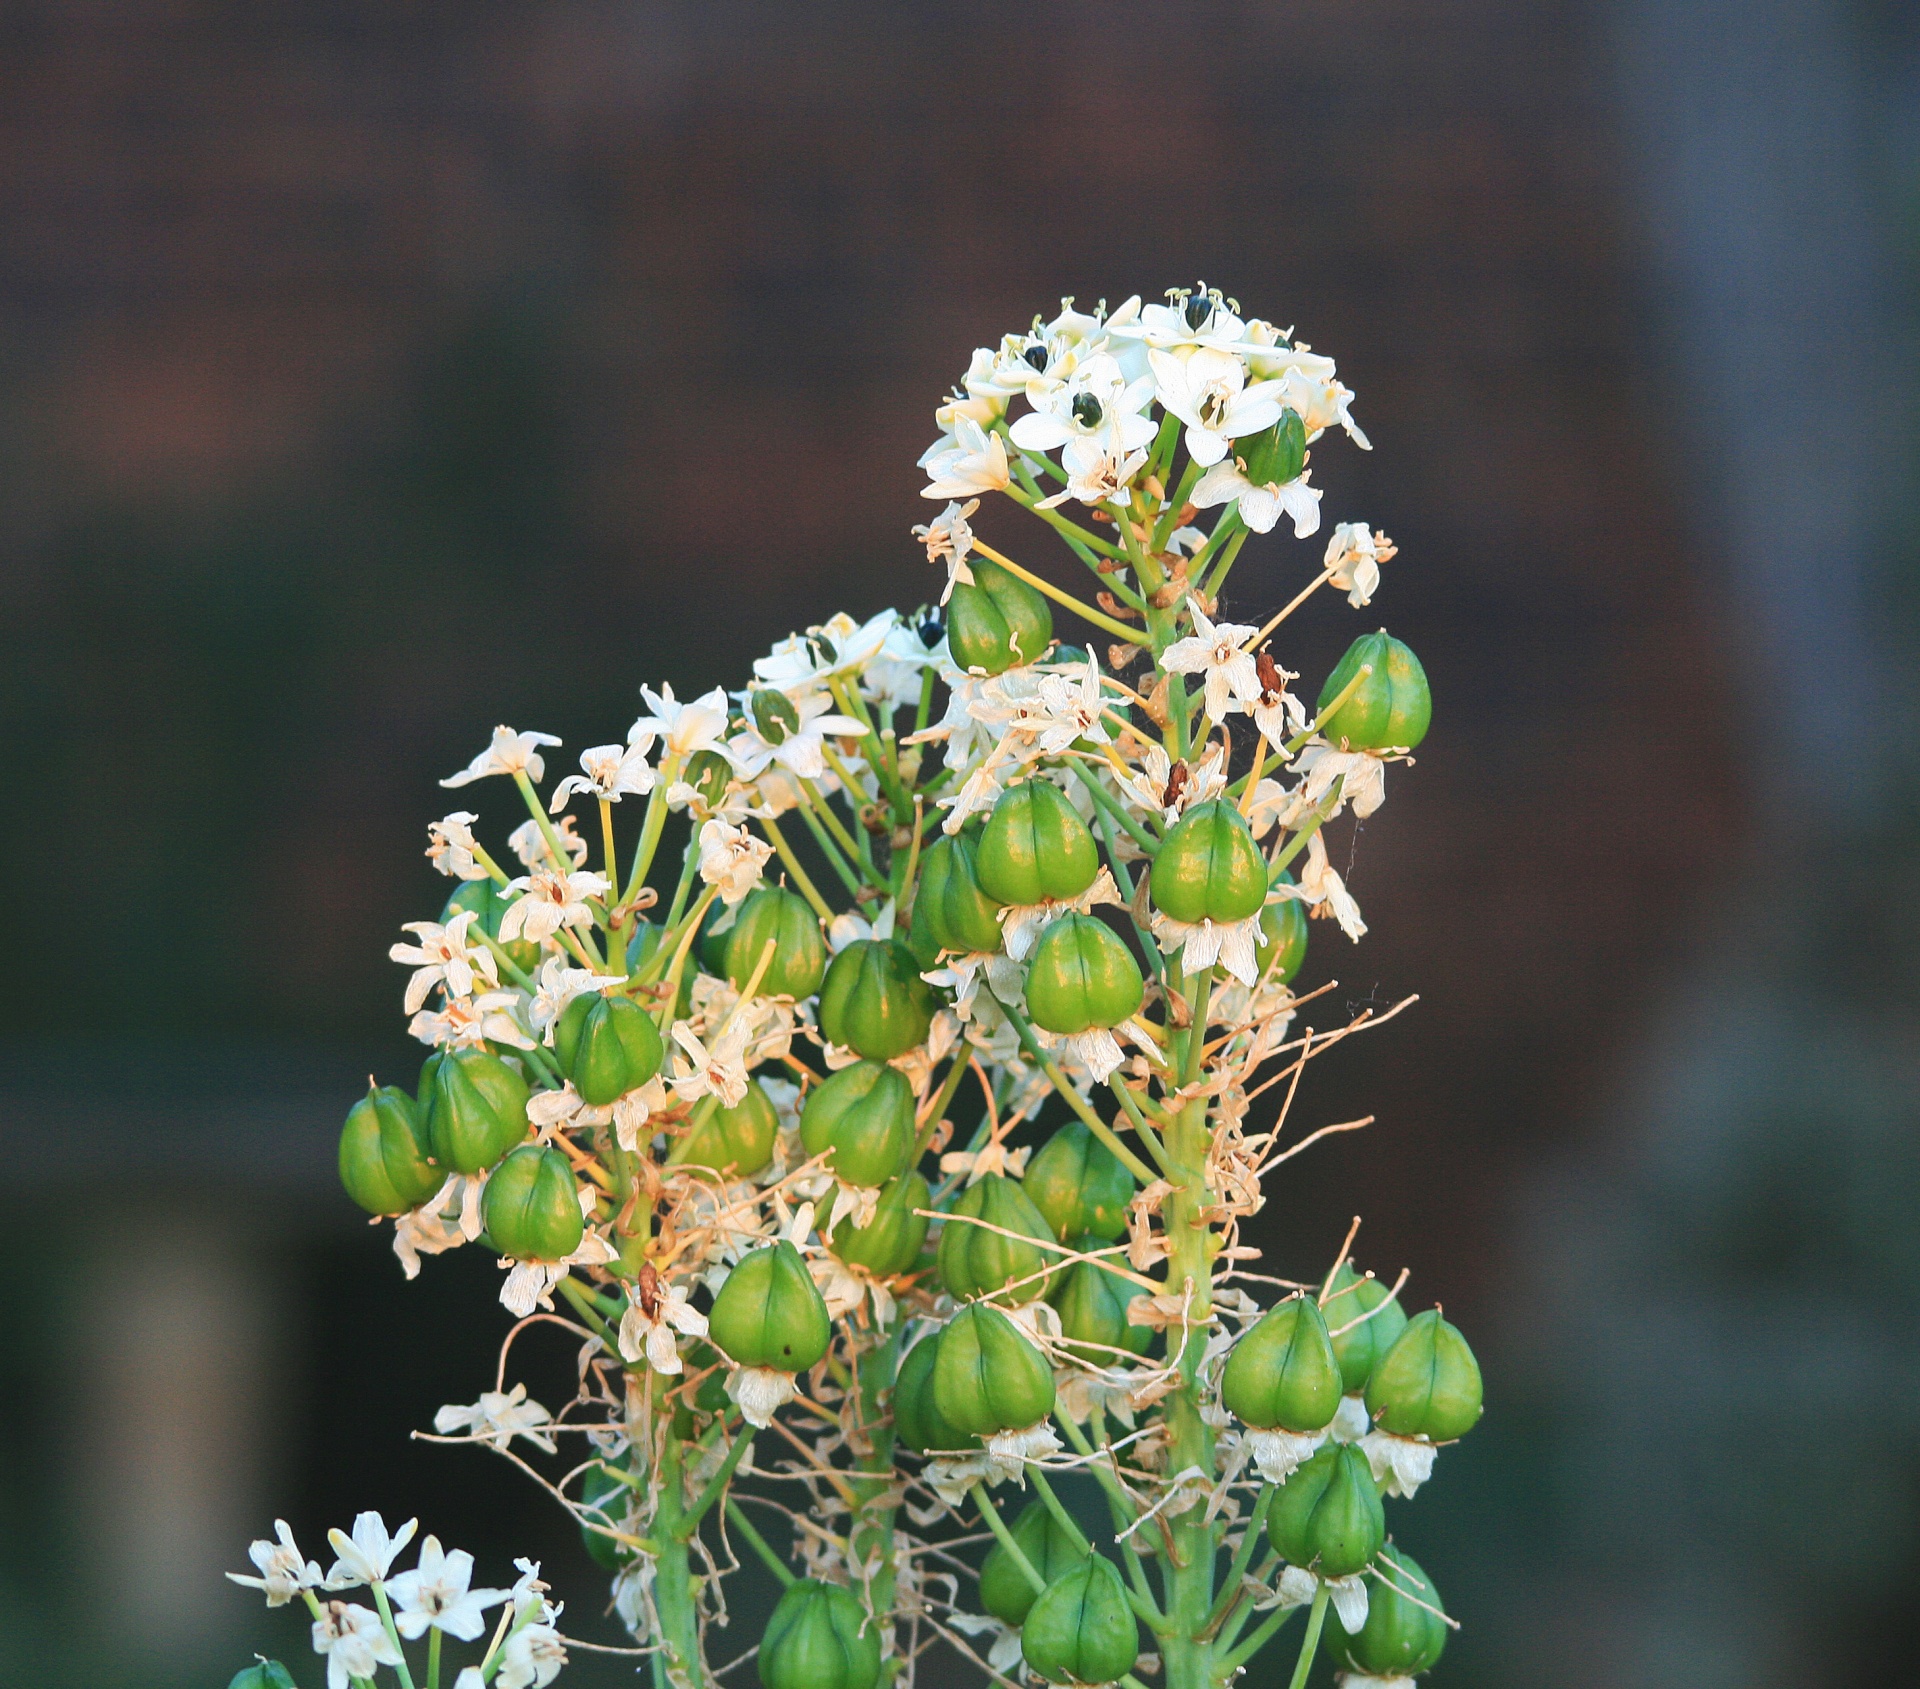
[(679, 1662)]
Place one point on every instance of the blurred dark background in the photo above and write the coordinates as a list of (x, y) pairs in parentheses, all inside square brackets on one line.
[(371, 374)]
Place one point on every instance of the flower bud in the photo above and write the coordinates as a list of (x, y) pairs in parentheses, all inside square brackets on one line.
[(1360, 1346), (263, 1674), (890, 1242), (997, 622), (1401, 1636), (958, 913), (385, 1156), (476, 1108), (819, 1637), (1091, 1300), (1081, 1629), (1079, 1185), (987, 1377), (864, 1114), (736, 1141), (800, 953), (604, 1494), (708, 773), (1275, 455), (1283, 1374), (1209, 868), (1390, 708), (1035, 847), (482, 898), (1004, 1589), (917, 1419), (1285, 924), (874, 1000), (774, 715), (1327, 1517), (607, 1045), (977, 1262), (769, 1312), (531, 1206), (1428, 1384), (1081, 976)]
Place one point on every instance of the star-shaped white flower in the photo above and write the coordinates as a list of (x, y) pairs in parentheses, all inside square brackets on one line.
[(1310, 390), (465, 1023), (1208, 391), (718, 1071), (368, 1554), (802, 750), (948, 539), (1098, 472), (654, 1314), (548, 902), (1260, 506), (1197, 317), (353, 1642), (609, 772), (435, 1595), (683, 729), (1354, 555), (510, 753), (732, 859), (969, 462), (443, 957), (284, 1573), (452, 848), (1096, 402), (1214, 650), (1324, 892), (497, 1418), (531, 1659)]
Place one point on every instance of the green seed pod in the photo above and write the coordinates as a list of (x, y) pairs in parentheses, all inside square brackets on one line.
[(774, 715), (1428, 1384), (977, 1262), (987, 1377), (1275, 455), (641, 948), (1284, 921), (1091, 1300), (483, 899), (864, 1114), (709, 952), (959, 914), (889, 1243), (800, 952), (920, 939), (997, 622), (604, 1494), (737, 1141), (1327, 1516), (531, 1206), (769, 1312), (1082, 1629), (476, 1108), (1391, 707), (1035, 847), (1081, 976), (263, 1674), (1209, 868), (708, 773), (1079, 1185), (1401, 1637), (917, 1419), (1361, 1348), (819, 1638), (1283, 1373), (874, 1000), (385, 1157), (1004, 1589), (607, 1046)]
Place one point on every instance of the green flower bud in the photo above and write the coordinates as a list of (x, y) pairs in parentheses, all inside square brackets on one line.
[(604, 1494), (1209, 868), (1349, 1296), (385, 1156), (874, 1000), (476, 1108), (737, 1141), (1079, 1185), (1327, 1516), (1081, 976), (959, 914), (1091, 1300), (708, 773), (1391, 707), (1082, 1629), (1283, 1373), (531, 1206), (483, 899), (769, 1312), (1428, 1384), (607, 1045), (864, 1114), (987, 1377), (819, 1638), (889, 1243), (997, 622), (917, 1419), (1284, 921), (1004, 1589), (264, 1674), (800, 952), (774, 715), (1275, 455), (977, 1262), (1035, 847), (1401, 1637)]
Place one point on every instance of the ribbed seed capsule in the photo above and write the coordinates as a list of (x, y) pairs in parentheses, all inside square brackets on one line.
[(1081, 976), (864, 1115), (874, 1001), (1428, 1384), (1079, 1185), (1035, 847), (1209, 867), (819, 1637), (1327, 1516), (1285, 924), (959, 915), (1092, 1300), (1390, 709), (889, 1243), (1005, 1590), (998, 622), (786, 920), (977, 1262), (987, 1377), (531, 1206), (385, 1156), (736, 1141), (1360, 1336), (770, 1314), (1082, 1629), (1275, 455), (263, 1674), (1404, 1633), (476, 1108), (917, 1419), (607, 1046), (1283, 1373)]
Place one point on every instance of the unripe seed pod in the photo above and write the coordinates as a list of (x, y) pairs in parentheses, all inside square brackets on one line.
[(864, 1114), (607, 1046), (1079, 1185), (1401, 1636), (1004, 1589), (769, 1313), (1428, 1384), (959, 914), (385, 1158), (642, 947), (737, 1141), (987, 1377), (1091, 1300), (1283, 1373), (977, 1262), (917, 1419), (889, 1243), (819, 1637), (1081, 976), (1284, 922), (476, 1108), (800, 952), (1209, 867), (482, 899), (263, 1674), (708, 773), (1360, 1347), (1391, 708), (1275, 455), (1327, 1516), (1082, 1629), (874, 1001), (605, 1495), (531, 1206), (997, 622), (1035, 846), (774, 715)]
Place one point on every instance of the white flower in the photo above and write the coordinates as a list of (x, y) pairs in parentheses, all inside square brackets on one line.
[(354, 1642), (719, 1070), (948, 539), (1097, 473), (531, 1659), (609, 772), (969, 462), (528, 842), (760, 1392), (892, 678), (1400, 1464), (1322, 890), (684, 729), (837, 646), (1097, 400), (465, 1023), (510, 753), (1278, 1452), (443, 957), (529, 1284), (732, 859), (1261, 506), (1201, 945), (1277, 712), (1154, 787), (1349, 1599), (1208, 391), (497, 1418), (802, 749), (1362, 776), (452, 848), (283, 1573), (1045, 713), (1197, 318), (1232, 681), (1308, 388), (656, 1312), (367, 1555), (434, 1595), (548, 902), (530, 1594), (1354, 555), (1097, 1050), (557, 984)]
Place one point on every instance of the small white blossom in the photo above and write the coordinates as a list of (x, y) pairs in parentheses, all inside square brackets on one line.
[(1354, 555), (1324, 892), (528, 842), (452, 848), (283, 1572), (548, 902), (732, 859), (1261, 504), (1208, 391), (465, 1023), (435, 1595), (510, 753), (353, 1641), (1098, 472), (443, 957), (1096, 401), (1309, 389), (607, 771), (1214, 650), (653, 1316), (948, 539), (719, 1069), (802, 750), (497, 1418), (968, 462), (1154, 788), (760, 1392), (531, 1659), (683, 729), (556, 985), (1400, 1464), (367, 1555)]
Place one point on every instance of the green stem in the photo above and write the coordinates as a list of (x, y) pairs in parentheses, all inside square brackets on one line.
[(791, 863), (716, 1486), (1111, 806), (830, 850), (679, 1661), (1072, 1098), (737, 1518), (433, 1658), (1242, 1558), (393, 1636), (1310, 1643), (650, 826), (1086, 612), (998, 1526)]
